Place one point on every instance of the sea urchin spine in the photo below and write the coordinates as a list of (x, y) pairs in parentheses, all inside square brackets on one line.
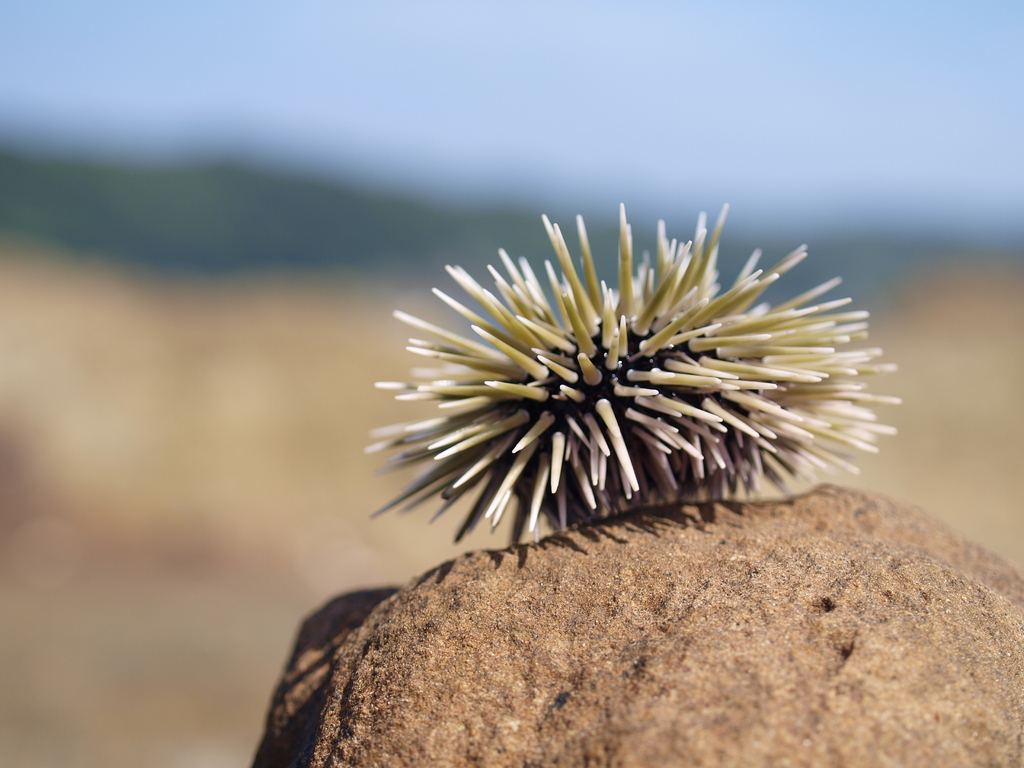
[(666, 389)]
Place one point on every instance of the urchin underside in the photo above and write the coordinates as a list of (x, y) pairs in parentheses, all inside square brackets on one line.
[(665, 389)]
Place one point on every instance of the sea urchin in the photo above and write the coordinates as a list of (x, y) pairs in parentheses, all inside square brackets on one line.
[(666, 389)]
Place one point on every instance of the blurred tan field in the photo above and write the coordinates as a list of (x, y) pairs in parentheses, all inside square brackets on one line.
[(182, 479)]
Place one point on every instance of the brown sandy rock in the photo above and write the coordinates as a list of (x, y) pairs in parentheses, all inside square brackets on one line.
[(838, 628)]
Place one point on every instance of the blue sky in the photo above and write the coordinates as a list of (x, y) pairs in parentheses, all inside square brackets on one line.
[(823, 114)]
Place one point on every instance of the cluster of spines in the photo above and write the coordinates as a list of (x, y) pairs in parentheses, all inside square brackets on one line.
[(665, 389)]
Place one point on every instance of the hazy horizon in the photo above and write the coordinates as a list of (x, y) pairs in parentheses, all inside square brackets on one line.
[(802, 117)]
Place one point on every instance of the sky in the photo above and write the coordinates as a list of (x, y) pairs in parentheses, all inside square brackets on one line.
[(797, 113)]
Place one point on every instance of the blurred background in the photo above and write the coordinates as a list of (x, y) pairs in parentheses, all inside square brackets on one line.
[(208, 211)]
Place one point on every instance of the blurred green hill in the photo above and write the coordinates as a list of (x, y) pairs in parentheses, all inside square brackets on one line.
[(218, 218)]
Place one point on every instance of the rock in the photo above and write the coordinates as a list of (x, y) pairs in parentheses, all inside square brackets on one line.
[(298, 702), (837, 628)]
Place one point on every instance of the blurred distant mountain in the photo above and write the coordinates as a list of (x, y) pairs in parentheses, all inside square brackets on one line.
[(214, 218), (217, 218)]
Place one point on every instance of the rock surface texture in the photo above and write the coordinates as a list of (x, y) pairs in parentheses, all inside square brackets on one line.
[(835, 629)]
